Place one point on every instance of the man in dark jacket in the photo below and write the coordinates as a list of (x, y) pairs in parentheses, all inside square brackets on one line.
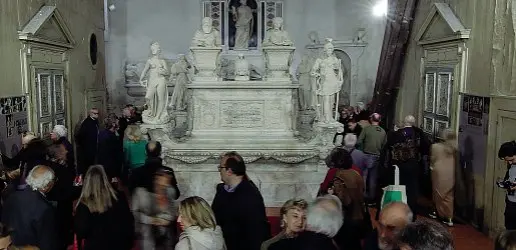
[(30, 214), (239, 207), (87, 141), (110, 152)]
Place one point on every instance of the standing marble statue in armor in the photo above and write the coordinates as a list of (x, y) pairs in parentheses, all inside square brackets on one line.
[(156, 97), (328, 75), (277, 36), (180, 70), (207, 36)]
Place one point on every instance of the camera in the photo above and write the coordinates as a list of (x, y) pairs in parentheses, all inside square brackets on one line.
[(506, 184)]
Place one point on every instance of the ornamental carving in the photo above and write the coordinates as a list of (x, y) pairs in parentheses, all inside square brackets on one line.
[(249, 157)]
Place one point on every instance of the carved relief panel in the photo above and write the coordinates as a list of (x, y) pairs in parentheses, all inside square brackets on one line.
[(50, 99), (253, 110)]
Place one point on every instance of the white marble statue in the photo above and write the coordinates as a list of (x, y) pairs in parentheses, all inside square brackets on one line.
[(306, 81), (277, 36), (328, 74), (156, 97), (314, 38), (207, 36), (180, 70), (241, 68), (243, 18)]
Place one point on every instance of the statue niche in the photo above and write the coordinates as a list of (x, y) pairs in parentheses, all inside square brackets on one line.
[(243, 24), (345, 91)]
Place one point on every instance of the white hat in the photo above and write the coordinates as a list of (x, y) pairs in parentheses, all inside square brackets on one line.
[(60, 130)]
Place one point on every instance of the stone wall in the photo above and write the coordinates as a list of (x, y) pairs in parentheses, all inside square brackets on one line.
[(83, 18)]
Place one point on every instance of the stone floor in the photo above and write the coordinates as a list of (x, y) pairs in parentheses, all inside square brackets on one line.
[(466, 237)]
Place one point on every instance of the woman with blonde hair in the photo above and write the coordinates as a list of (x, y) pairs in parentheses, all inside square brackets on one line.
[(200, 230), (134, 147), (293, 217), (443, 160), (102, 216)]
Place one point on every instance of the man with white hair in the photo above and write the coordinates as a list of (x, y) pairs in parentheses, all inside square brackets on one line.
[(407, 147), (59, 136), (359, 158), (393, 218), (324, 219), (30, 214)]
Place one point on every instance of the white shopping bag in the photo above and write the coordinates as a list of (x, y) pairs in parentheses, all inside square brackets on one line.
[(396, 192)]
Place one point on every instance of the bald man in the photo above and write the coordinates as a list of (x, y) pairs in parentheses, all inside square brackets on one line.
[(87, 141), (30, 214), (393, 218)]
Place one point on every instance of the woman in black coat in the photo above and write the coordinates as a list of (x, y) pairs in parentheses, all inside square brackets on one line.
[(102, 217)]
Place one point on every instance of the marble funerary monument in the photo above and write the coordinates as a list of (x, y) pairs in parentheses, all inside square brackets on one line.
[(210, 113)]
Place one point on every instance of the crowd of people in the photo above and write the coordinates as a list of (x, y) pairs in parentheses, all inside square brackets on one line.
[(118, 194)]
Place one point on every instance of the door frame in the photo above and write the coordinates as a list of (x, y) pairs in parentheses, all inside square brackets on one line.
[(500, 107), (43, 56)]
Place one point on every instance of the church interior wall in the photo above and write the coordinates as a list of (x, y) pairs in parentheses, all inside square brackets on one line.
[(82, 18), (489, 73), (134, 24)]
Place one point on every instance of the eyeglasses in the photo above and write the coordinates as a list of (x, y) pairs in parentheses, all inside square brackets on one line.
[(219, 167)]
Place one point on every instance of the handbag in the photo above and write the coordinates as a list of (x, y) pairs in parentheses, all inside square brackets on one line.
[(396, 192)]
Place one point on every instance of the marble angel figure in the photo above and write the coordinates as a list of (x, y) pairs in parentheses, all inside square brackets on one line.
[(277, 36), (328, 74), (181, 71), (243, 18), (207, 36), (156, 96)]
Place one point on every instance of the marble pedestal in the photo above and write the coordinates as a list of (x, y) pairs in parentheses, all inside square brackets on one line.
[(256, 119), (205, 61), (325, 132), (277, 62)]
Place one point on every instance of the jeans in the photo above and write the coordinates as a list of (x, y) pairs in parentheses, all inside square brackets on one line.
[(510, 215), (370, 174)]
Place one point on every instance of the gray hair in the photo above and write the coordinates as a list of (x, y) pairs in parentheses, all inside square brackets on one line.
[(325, 216), (41, 181), (424, 234), (350, 140), (409, 120)]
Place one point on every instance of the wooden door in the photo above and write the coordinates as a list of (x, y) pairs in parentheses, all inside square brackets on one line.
[(506, 122), (49, 100), (437, 100)]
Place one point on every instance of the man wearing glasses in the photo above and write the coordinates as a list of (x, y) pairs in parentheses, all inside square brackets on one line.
[(87, 141), (238, 206)]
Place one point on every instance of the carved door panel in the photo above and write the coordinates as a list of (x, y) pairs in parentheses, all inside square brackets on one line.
[(437, 100), (49, 100)]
